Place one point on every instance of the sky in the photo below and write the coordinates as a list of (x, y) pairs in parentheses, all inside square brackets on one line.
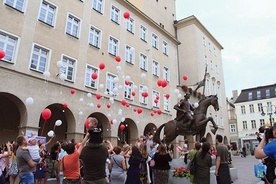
[(247, 31)]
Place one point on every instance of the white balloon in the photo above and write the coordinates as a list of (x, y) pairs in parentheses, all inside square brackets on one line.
[(176, 91), (143, 76), (132, 50), (116, 80), (120, 110), (118, 68), (62, 76), (123, 119), (80, 113), (29, 101), (114, 121), (101, 86), (115, 90), (111, 100), (58, 122), (81, 99), (106, 93), (120, 86), (89, 95), (59, 64), (127, 78), (91, 105), (179, 96), (135, 87), (145, 88), (195, 104), (109, 115), (120, 113), (46, 74), (51, 133)]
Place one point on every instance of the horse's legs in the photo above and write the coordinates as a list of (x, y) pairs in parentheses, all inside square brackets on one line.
[(205, 121)]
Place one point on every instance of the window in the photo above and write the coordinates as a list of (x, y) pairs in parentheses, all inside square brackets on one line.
[(68, 68), (154, 41), (73, 26), (40, 57), (155, 68), (217, 69), (143, 33), (98, 5), (250, 96), (206, 59), (209, 44), (211, 64), (130, 25), (251, 108), (129, 54), (94, 37), (258, 94), (166, 74), (221, 121), (204, 41), (244, 125), (166, 103), (128, 90), (17, 4), (165, 48), (142, 100), (253, 124), (215, 53), (262, 122), (89, 82), (232, 128), (8, 44), (155, 99), (113, 46), (267, 93), (143, 62), (110, 85), (269, 107), (243, 109), (260, 107), (47, 13), (115, 14)]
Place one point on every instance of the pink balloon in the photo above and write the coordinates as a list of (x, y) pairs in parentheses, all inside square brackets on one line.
[(122, 127)]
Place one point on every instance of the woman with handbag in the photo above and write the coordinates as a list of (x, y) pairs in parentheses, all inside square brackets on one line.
[(118, 167), (203, 164), (13, 170)]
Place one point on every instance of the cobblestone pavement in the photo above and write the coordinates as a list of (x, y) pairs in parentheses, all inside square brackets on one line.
[(245, 168)]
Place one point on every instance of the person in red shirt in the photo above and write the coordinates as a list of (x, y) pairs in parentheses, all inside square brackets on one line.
[(70, 164)]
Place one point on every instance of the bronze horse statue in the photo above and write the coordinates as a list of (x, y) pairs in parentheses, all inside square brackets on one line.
[(174, 128)]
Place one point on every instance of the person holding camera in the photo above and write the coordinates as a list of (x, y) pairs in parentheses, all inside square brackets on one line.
[(266, 151)]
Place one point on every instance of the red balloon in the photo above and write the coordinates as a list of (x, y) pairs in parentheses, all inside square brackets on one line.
[(164, 83), (73, 91), (118, 58), (157, 97), (65, 105), (133, 93), (122, 127), (111, 122), (159, 83), (46, 114), (145, 94), (185, 77), (99, 105), (139, 110), (127, 105), (98, 96), (159, 111), (94, 76), (86, 124), (126, 15), (108, 105), (2, 54), (167, 95), (134, 109), (155, 101), (101, 66), (124, 102), (152, 114), (127, 83), (155, 110)]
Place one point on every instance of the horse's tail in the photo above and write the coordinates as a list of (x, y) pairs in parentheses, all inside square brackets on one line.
[(156, 136)]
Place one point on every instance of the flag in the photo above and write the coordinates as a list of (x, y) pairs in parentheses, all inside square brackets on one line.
[(201, 83)]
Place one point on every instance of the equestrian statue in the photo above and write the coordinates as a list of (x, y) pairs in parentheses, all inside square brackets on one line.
[(188, 121)]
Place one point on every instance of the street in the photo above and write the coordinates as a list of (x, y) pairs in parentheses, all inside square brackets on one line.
[(245, 168)]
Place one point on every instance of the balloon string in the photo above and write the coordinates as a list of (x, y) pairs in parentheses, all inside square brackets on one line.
[(43, 128)]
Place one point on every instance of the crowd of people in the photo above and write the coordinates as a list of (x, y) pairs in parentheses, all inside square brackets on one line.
[(97, 161)]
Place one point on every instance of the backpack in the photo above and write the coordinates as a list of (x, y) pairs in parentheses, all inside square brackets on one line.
[(193, 165)]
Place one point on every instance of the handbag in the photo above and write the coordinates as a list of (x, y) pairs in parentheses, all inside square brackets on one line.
[(13, 170), (193, 165), (259, 170)]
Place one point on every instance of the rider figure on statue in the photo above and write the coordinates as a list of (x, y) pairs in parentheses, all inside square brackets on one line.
[(184, 111)]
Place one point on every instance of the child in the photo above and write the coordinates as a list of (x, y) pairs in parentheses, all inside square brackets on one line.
[(33, 149), (95, 133)]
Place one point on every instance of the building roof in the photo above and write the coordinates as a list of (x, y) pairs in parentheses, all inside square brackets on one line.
[(257, 93)]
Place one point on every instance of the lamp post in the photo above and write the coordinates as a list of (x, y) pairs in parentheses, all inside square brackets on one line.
[(269, 112)]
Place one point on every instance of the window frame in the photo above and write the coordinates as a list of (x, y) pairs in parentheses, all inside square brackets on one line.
[(74, 71), (115, 13), (142, 100), (243, 111), (143, 32), (251, 108), (102, 6), (129, 56), (93, 70), (154, 41), (166, 103), (111, 38), (128, 89), (165, 48), (48, 58), (155, 68), (24, 6), (145, 61), (233, 128), (244, 125), (74, 18), (130, 25), (154, 95), (166, 73), (112, 84), (15, 46), (94, 36), (49, 4)]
